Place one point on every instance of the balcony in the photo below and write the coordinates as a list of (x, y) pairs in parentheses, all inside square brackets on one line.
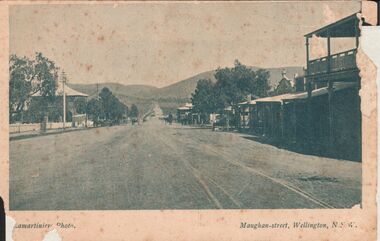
[(340, 66), (343, 61)]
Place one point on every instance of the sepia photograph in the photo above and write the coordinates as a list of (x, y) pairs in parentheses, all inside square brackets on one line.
[(185, 106)]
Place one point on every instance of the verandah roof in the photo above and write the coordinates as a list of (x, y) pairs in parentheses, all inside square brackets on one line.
[(276, 98), (322, 91), (299, 96), (345, 27), (68, 91)]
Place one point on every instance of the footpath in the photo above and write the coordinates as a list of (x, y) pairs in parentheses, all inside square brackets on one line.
[(30, 134)]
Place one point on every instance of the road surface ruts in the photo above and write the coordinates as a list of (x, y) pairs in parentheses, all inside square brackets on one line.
[(158, 166)]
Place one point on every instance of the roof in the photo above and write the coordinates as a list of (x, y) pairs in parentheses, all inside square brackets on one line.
[(303, 95), (251, 102), (322, 91), (187, 106), (184, 108), (190, 105), (345, 27), (276, 98), (68, 91)]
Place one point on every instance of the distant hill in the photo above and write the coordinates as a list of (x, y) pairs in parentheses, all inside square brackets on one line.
[(170, 97), (179, 90), (118, 89), (184, 88)]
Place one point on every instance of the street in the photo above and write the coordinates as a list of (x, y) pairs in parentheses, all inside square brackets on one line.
[(158, 166)]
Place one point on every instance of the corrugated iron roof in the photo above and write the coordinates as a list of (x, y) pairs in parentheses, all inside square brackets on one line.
[(276, 98), (322, 91), (303, 95)]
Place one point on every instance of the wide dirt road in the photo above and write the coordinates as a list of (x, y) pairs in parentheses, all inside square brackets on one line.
[(158, 166)]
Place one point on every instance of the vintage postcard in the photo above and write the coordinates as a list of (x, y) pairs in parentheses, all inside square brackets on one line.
[(157, 120)]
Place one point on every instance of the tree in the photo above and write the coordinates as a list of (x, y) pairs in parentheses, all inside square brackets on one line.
[(107, 107), (106, 101), (203, 98), (234, 84), (79, 105), (118, 109), (134, 112), (28, 77), (112, 107), (95, 110), (46, 75), (21, 73), (261, 85)]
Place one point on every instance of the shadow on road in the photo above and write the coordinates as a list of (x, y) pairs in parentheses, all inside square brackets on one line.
[(301, 149)]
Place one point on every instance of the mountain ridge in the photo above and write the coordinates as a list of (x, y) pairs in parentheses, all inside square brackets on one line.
[(179, 90)]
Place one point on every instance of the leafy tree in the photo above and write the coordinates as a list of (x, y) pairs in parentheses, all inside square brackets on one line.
[(28, 77), (21, 73), (34, 112), (203, 98), (126, 110), (134, 112), (119, 109), (79, 105), (261, 84), (106, 101), (95, 110), (107, 107), (46, 75), (234, 84)]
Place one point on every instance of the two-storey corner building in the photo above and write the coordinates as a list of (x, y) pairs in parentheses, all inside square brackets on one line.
[(331, 120)]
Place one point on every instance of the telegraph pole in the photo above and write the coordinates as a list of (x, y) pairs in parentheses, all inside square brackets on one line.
[(64, 80)]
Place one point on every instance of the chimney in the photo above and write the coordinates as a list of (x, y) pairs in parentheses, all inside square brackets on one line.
[(300, 83)]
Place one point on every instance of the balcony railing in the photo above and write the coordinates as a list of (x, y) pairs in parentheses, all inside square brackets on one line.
[(338, 62)]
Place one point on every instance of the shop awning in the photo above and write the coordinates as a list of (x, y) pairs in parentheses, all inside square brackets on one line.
[(321, 91)]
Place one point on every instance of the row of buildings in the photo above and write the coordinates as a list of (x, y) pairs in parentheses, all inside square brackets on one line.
[(322, 115)]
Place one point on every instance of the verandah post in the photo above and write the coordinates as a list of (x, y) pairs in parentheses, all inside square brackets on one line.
[(309, 120), (330, 94)]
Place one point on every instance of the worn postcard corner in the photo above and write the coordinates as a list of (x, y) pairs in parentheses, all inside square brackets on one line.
[(189, 120)]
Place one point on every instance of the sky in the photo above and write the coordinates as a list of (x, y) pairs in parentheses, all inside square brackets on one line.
[(160, 43)]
